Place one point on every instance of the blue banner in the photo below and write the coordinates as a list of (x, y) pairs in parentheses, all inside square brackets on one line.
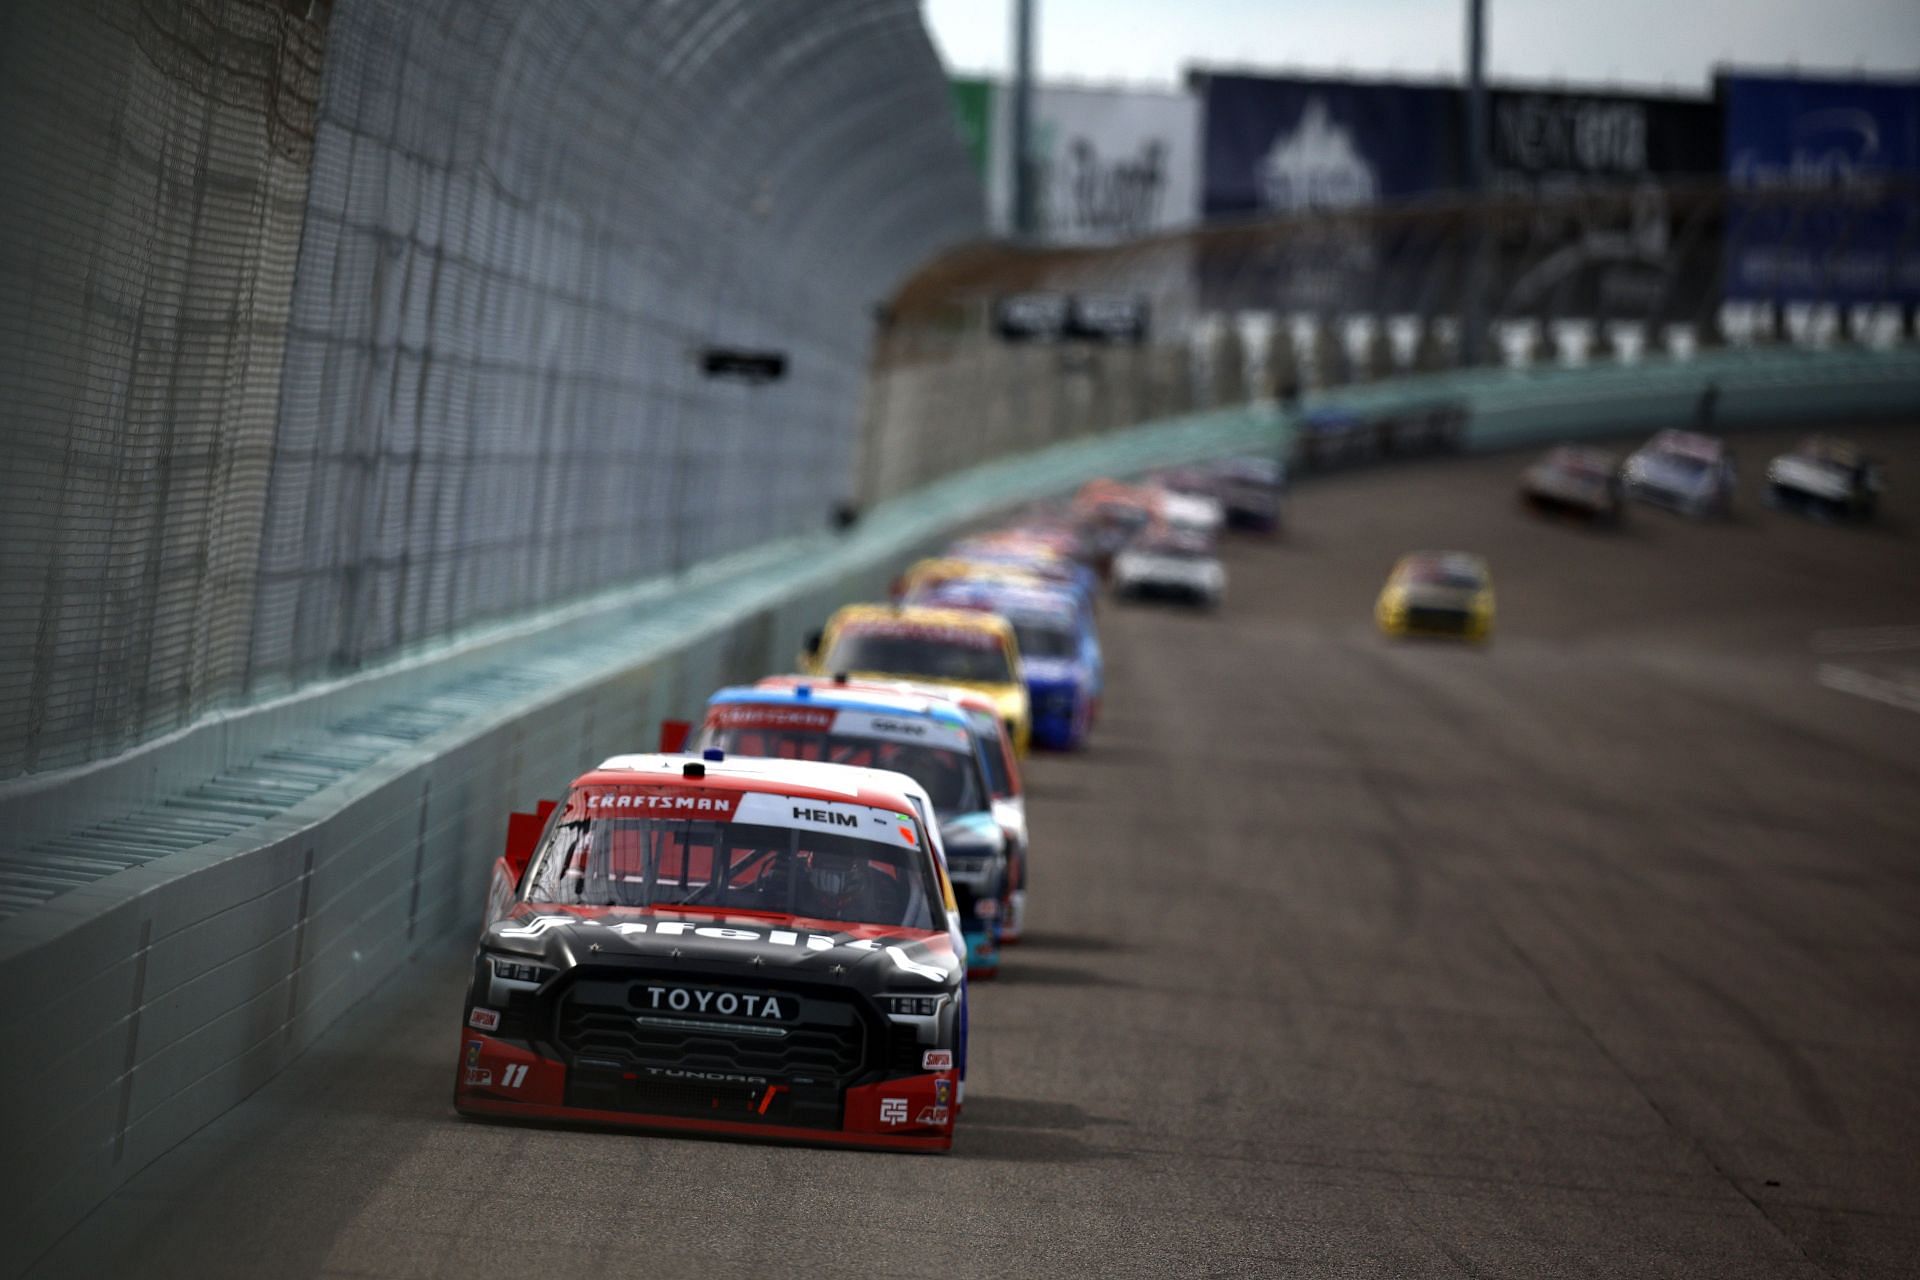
[(1830, 170), (1286, 145)]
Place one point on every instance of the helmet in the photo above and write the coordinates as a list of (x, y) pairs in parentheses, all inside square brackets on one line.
[(833, 876)]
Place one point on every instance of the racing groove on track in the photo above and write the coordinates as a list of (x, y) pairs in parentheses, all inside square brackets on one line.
[(1594, 952)]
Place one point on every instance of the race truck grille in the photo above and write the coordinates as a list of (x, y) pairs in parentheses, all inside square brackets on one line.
[(1167, 589), (627, 1055), (1443, 621), (906, 1055), (967, 866)]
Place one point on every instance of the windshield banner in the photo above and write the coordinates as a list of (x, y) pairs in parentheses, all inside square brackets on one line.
[(934, 632), (884, 826)]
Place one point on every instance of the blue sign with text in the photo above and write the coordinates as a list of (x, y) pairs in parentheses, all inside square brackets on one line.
[(1824, 178)]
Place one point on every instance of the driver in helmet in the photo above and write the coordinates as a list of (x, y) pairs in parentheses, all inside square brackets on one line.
[(834, 886)]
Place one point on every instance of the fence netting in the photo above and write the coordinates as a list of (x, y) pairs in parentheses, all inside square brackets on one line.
[(527, 225), (333, 330), (156, 158)]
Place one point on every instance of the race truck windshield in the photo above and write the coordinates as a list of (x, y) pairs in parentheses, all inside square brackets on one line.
[(1688, 464), (731, 866), (1176, 550), (1431, 574), (968, 656), (952, 778), (1042, 639)]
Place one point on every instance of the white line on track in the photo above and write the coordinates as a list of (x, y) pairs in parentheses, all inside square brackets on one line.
[(1867, 640), (1903, 693)]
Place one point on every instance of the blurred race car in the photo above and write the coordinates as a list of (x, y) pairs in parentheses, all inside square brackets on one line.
[(996, 755), (947, 646), (1437, 593), (1042, 558), (1191, 513), (1059, 651), (749, 948), (1683, 471), (1825, 478), (1190, 501), (1008, 564), (1052, 529), (1576, 480), (1171, 566), (1110, 515), (1250, 489), (928, 739)]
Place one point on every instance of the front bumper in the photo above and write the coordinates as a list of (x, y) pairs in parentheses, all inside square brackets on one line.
[(1593, 506), (1797, 498), (1682, 502), (1455, 624), (507, 1079), (1059, 717), (1167, 589)]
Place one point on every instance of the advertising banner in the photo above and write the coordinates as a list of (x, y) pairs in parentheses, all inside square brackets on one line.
[(1288, 145), (1540, 142), (1109, 164), (1617, 258), (1831, 169)]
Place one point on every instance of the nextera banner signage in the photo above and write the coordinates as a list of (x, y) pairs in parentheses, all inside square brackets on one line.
[(1853, 145), (1287, 145), (1110, 164), (1543, 141)]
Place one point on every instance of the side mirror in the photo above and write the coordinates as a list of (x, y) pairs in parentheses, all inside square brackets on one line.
[(897, 588), (673, 735), (523, 836), (809, 661)]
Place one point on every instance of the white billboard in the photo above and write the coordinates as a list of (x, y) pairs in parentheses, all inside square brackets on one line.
[(1112, 164)]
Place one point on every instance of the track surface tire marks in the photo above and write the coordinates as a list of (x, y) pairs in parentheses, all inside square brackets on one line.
[(1595, 951)]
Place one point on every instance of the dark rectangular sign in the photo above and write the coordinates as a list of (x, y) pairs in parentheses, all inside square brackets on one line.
[(1108, 317), (1031, 317), (1542, 140), (1278, 145), (736, 365), (1050, 317), (1846, 155)]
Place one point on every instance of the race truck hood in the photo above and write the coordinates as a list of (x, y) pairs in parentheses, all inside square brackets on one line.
[(1141, 566), (867, 957), (1009, 700), (976, 846), (1573, 485), (1671, 475), (1427, 596), (1810, 476)]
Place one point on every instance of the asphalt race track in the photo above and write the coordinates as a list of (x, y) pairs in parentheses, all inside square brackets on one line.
[(1592, 952)]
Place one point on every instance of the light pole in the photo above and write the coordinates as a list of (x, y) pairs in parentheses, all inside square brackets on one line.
[(1474, 322), (1022, 129)]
